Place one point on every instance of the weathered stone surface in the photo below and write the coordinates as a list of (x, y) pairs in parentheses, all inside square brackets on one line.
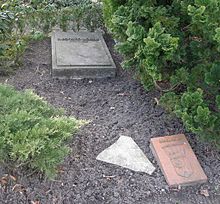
[(81, 55), (177, 160), (126, 153)]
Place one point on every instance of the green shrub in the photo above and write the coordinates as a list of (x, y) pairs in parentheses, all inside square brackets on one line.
[(32, 132), (174, 44), (22, 21)]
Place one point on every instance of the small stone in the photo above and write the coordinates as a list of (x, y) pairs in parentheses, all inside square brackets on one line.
[(78, 196), (148, 193), (204, 192), (116, 194), (167, 188)]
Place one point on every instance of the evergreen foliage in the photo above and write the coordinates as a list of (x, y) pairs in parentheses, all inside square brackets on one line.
[(175, 43), (32, 132), (25, 20)]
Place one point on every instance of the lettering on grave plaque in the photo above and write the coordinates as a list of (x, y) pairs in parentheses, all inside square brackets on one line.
[(177, 160), (85, 40)]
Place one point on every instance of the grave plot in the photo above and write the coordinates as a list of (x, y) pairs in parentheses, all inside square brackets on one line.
[(81, 55), (82, 178)]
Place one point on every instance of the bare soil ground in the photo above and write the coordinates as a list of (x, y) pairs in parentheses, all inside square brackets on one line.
[(114, 106)]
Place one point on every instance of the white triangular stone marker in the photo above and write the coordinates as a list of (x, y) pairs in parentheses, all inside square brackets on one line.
[(126, 153)]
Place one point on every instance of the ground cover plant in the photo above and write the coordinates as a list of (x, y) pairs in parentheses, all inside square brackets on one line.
[(32, 132), (22, 21), (175, 47)]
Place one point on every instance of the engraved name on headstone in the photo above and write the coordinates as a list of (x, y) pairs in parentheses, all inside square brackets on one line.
[(177, 160)]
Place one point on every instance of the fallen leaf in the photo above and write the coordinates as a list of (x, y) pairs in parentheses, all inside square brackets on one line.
[(177, 188), (19, 188), (204, 192), (104, 176), (109, 177), (122, 94), (157, 101), (35, 202), (4, 180), (60, 169), (13, 178)]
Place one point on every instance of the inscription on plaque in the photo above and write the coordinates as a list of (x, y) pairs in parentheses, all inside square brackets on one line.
[(177, 160), (81, 55), (77, 39)]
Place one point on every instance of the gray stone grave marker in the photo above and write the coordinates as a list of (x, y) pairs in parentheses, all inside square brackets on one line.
[(81, 55)]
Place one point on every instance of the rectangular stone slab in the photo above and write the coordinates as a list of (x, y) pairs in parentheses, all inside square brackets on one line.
[(81, 55), (177, 160)]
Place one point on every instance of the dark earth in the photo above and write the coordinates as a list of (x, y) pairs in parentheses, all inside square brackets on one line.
[(113, 106)]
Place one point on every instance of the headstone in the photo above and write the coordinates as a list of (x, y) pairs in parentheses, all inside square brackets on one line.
[(126, 153), (177, 160), (80, 54)]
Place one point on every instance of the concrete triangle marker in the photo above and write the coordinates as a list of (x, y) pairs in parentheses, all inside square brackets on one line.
[(126, 153)]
